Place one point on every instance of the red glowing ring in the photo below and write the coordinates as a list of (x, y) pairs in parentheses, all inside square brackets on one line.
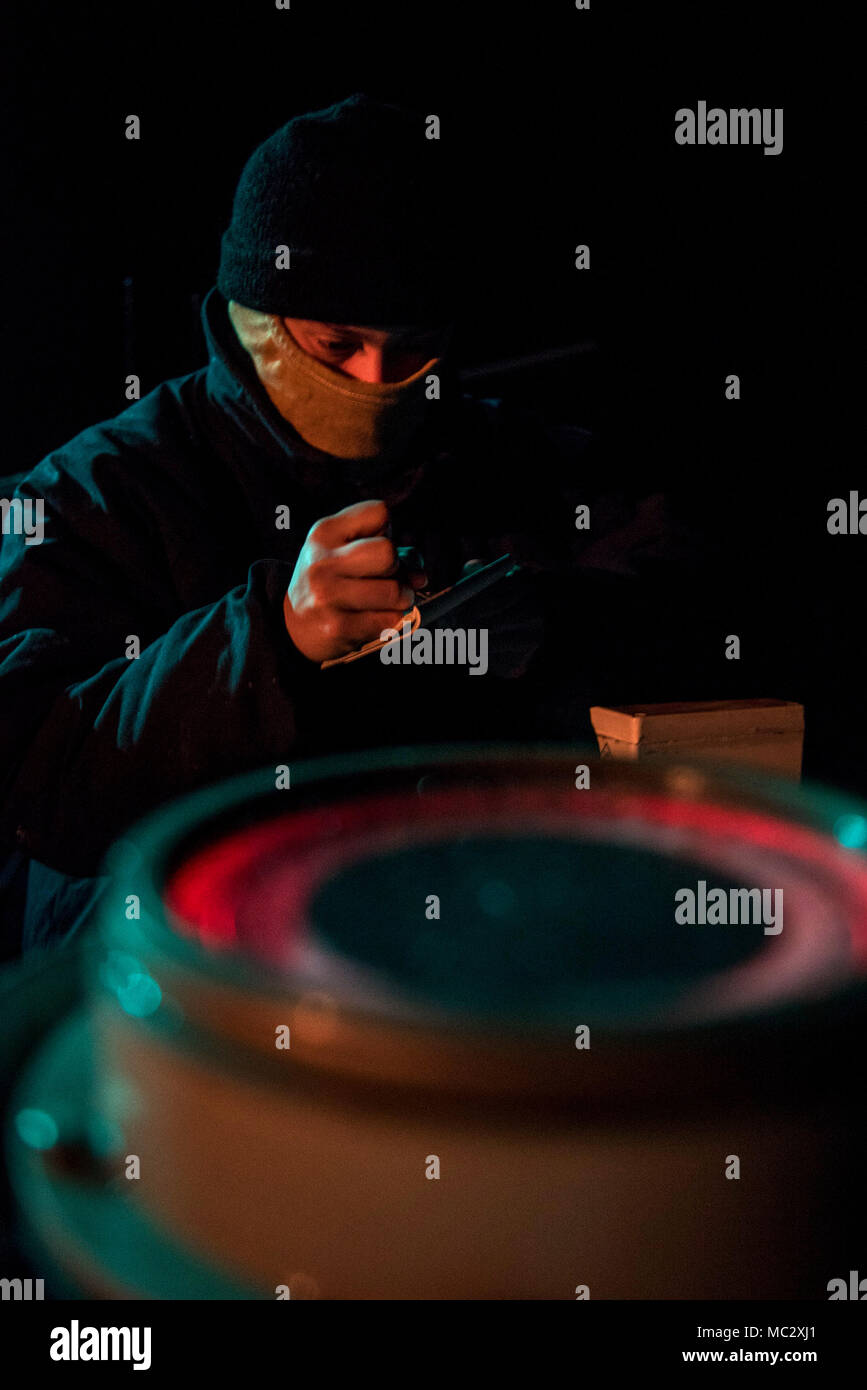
[(251, 890)]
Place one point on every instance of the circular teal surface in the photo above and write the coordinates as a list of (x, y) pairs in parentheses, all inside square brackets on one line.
[(529, 927)]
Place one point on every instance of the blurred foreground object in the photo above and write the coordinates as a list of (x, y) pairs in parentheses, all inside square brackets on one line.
[(426, 1026)]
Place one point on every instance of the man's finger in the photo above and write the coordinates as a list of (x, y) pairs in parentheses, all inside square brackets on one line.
[(364, 595), (373, 557), (360, 519)]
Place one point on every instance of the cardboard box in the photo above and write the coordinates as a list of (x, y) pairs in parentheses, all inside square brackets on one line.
[(765, 734)]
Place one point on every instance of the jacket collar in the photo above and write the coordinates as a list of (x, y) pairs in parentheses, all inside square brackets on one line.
[(235, 387)]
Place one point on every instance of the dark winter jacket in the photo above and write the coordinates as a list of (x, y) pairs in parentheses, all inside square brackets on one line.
[(160, 524)]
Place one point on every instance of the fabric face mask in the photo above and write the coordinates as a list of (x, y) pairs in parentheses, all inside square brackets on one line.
[(343, 417)]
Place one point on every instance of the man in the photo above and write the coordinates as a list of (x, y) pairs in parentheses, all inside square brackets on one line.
[(210, 547)]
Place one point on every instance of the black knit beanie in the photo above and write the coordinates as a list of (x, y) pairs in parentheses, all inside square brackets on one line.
[(364, 202)]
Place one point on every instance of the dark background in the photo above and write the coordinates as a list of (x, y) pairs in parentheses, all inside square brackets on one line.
[(704, 261)]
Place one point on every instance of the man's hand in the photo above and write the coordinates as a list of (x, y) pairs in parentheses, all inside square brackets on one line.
[(347, 585)]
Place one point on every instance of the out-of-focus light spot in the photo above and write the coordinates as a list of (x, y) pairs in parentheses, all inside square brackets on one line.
[(117, 968), (496, 899), (851, 831), (37, 1129), (140, 996)]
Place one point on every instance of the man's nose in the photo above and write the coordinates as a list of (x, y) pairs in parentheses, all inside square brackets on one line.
[(386, 364)]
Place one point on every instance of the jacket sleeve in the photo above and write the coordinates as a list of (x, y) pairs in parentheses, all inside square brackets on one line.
[(91, 739)]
